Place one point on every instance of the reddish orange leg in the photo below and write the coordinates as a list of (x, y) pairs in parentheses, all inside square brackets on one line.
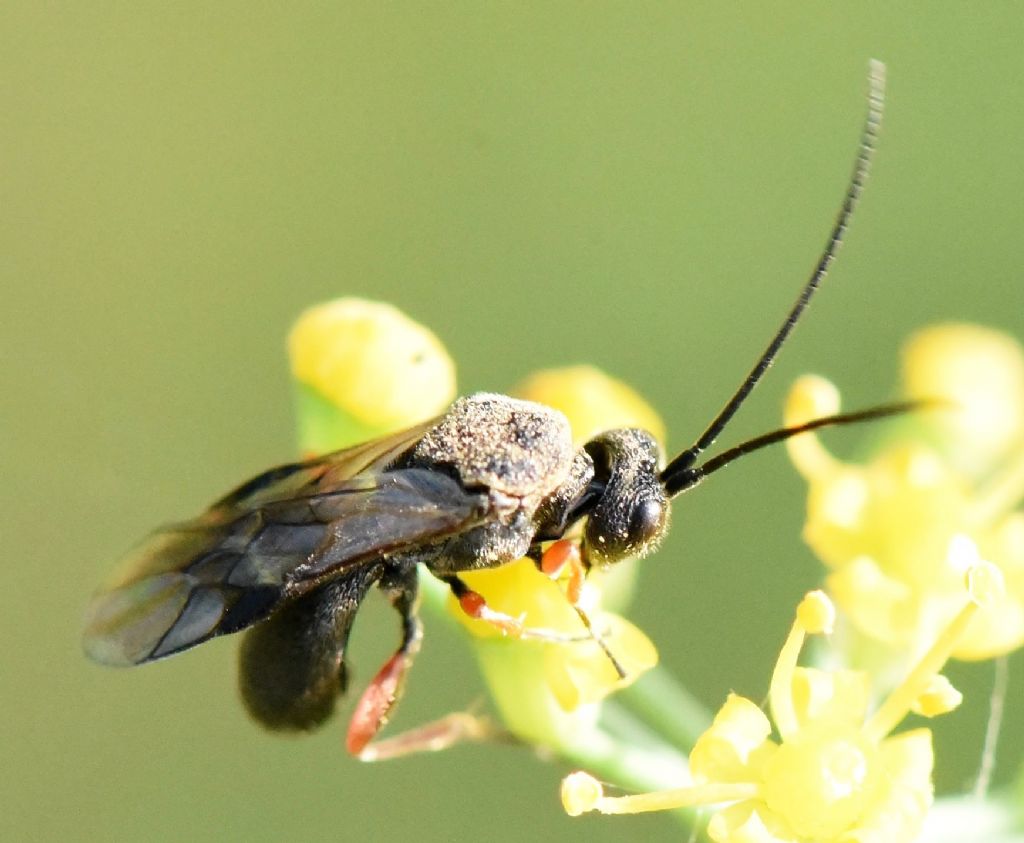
[(380, 696), (374, 706), (459, 727), (563, 554), (371, 714), (473, 604), (371, 711)]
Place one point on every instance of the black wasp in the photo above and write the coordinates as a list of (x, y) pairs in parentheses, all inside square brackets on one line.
[(290, 554)]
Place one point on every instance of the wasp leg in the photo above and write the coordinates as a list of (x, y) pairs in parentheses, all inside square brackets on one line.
[(475, 605), (564, 556), (458, 727), (598, 639), (371, 712)]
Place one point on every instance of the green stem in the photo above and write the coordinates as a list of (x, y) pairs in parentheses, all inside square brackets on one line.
[(646, 731), (667, 708), (626, 752)]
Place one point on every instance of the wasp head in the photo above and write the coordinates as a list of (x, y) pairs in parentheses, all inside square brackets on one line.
[(630, 512)]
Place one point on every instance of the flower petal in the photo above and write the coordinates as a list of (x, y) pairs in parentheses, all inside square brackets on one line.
[(898, 813), (515, 676), (373, 362), (749, 822), (876, 603), (580, 672), (519, 589), (724, 752), (592, 401), (838, 698), (982, 371)]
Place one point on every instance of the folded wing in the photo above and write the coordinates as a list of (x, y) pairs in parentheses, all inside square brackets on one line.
[(273, 539)]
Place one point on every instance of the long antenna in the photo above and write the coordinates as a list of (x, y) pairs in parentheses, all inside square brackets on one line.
[(684, 480), (677, 473)]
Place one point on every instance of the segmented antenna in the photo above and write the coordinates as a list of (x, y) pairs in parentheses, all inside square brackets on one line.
[(899, 408), (679, 474)]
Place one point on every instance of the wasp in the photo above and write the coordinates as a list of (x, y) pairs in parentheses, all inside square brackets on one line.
[(290, 554)]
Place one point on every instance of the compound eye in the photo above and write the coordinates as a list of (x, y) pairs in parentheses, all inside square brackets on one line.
[(646, 521)]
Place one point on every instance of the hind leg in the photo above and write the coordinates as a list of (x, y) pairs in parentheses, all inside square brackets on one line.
[(443, 733), (373, 708), (371, 712)]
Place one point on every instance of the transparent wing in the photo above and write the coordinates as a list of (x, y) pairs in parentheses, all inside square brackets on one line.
[(301, 479), (274, 538)]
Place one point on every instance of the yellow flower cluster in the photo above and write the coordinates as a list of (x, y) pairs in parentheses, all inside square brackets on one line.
[(834, 774), (945, 487), (900, 533), (935, 506)]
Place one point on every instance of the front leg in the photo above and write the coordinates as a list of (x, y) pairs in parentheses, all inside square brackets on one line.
[(563, 557)]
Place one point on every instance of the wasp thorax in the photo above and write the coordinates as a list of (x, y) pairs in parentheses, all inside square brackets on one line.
[(631, 515), (516, 448)]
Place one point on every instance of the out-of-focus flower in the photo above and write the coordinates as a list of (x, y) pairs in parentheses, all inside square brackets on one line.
[(835, 774), (944, 487), (364, 369), (591, 400), (982, 371)]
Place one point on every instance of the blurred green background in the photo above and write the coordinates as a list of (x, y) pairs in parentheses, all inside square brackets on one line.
[(640, 186)]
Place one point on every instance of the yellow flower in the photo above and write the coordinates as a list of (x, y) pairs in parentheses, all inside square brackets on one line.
[(982, 371), (591, 400), (547, 690), (897, 530), (834, 774), (364, 369)]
